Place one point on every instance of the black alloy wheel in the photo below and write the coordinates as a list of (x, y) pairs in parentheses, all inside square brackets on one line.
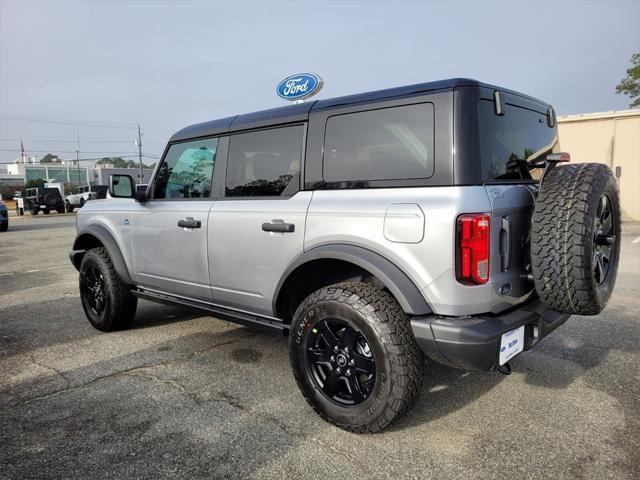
[(341, 362), (354, 356), (604, 240), (95, 290)]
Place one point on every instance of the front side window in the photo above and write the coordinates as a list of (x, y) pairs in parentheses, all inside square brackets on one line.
[(386, 144), (511, 141), (264, 163), (187, 170)]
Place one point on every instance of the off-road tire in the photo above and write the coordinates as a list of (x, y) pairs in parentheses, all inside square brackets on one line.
[(46, 211), (385, 326), (34, 211), (60, 209), (120, 305), (4, 226), (563, 238)]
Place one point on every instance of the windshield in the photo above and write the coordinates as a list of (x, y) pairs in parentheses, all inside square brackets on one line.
[(510, 143)]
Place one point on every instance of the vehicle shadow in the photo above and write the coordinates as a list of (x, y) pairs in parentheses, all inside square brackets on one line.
[(151, 314)]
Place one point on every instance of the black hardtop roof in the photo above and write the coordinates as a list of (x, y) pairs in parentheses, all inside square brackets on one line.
[(300, 111)]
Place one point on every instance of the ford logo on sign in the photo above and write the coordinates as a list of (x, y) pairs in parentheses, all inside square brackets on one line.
[(297, 87)]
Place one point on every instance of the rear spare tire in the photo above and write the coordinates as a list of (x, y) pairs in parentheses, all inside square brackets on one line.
[(50, 200), (575, 238)]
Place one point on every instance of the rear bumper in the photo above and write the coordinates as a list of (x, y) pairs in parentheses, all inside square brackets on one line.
[(474, 343)]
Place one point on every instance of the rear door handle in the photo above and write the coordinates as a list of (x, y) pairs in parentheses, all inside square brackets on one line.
[(189, 222), (278, 226)]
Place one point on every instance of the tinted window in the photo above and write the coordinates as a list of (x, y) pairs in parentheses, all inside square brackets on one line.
[(520, 134), (386, 144), (264, 163), (187, 170)]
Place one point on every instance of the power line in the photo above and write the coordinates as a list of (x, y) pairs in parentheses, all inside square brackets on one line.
[(85, 123), (28, 150), (12, 140)]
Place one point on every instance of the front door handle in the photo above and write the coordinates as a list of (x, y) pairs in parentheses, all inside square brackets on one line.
[(278, 226), (189, 222)]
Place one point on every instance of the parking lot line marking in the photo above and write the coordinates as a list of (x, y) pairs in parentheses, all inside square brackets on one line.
[(31, 271), (637, 240)]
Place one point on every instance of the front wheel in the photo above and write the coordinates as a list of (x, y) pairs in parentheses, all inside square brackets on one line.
[(106, 300), (68, 207), (354, 356)]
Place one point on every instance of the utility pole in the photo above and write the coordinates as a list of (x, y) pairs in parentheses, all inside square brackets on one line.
[(140, 153), (78, 165), (78, 157)]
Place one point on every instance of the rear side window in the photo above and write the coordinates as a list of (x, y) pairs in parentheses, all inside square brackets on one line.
[(264, 163), (386, 144), (518, 136), (187, 170)]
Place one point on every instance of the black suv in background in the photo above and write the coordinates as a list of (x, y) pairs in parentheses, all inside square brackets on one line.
[(4, 217), (45, 199)]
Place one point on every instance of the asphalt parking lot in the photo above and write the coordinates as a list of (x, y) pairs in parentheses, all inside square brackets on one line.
[(189, 396)]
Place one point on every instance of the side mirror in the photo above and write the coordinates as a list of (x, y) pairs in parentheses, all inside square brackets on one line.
[(121, 186)]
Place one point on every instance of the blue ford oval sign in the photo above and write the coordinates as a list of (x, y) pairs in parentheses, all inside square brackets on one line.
[(297, 87)]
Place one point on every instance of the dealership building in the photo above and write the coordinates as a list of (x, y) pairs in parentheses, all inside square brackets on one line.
[(67, 172), (612, 138)]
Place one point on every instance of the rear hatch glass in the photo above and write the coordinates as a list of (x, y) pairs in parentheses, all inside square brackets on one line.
[(507, 141)]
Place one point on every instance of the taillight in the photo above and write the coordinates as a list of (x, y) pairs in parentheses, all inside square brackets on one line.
[(472, 248)]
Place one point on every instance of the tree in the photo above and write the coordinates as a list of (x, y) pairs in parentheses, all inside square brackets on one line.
[(119, 162), (6, 191), (631, 85), (49, 157), (36, 182)]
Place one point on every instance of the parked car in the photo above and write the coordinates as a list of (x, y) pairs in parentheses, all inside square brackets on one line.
[(372, 229), (4, 217), (83, 194), (43, 199)]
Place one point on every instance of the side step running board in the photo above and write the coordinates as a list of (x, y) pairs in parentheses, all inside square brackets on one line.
[(243, 318)]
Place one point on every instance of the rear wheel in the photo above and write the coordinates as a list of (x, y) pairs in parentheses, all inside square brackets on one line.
[(4, 226), (81, 202), (68, 207), (60, 209), (575, 238), (354, 356), (34, 211), (46, 211), (106, 300)]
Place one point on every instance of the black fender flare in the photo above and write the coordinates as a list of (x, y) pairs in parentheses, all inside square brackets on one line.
[(393, 278), (107, 240)]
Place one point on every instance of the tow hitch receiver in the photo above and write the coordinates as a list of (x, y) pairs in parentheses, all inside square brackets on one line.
[(506, 369)]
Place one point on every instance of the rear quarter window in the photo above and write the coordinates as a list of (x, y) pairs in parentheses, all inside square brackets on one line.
[(393, 143)]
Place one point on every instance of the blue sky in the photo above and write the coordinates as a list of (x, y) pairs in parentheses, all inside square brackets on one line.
[(168, 64)]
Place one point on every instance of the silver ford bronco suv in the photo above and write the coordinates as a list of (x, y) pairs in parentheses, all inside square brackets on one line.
[(372, 229)]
